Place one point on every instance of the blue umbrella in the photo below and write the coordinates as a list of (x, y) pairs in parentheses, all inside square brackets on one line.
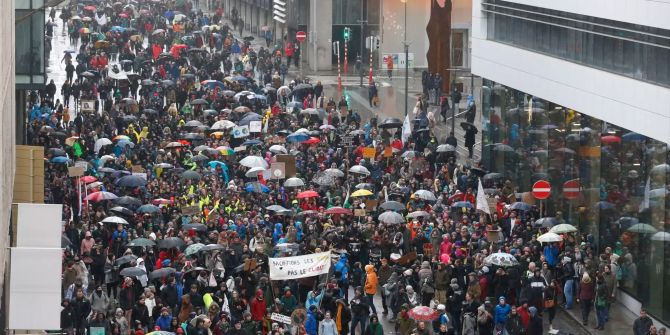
[(123, 143), (251, 142), (240, 78), (131, 181), (462, 204), (256, 187), (521, 206), (214, 164), (60, 160), (213, 83), (118, 28), (297, 137), (633, 137), (147, 209)]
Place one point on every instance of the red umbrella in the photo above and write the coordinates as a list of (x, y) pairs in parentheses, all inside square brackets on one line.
[(161, 201), (338, 210), (423, 313), (88, 179), (609, 139), (307, 194), (100, 196), (312, 140)]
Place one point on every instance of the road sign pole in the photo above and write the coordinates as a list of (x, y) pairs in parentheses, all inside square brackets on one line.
[(339, 74), (346, 62), (370, 72)]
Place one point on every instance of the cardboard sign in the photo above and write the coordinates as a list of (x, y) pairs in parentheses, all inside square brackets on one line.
[(285, 319), (492, 203), (388, 152), (255, 126), (190, 210), (136, 169), (369, 152), (275, 140), (289, 165), (240, 148), (278, 170), (347, 141), (88, 105), (240, 131), (75, 171), (371, 204), (359, 212), (82, 164)]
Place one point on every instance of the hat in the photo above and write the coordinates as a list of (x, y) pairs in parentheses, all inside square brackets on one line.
[(441, 307), (287, 288)]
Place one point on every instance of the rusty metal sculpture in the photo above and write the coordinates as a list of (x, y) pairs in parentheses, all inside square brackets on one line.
[(439, 39)]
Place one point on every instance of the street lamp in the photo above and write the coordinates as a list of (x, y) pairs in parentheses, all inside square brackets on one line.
[(406, 58)]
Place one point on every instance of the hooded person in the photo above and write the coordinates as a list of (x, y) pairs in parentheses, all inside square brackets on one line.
[(143, 278), (277, 233), (342, 317), (374, 327), (314, 298), (258, 306), (371, 282), (185, 309)]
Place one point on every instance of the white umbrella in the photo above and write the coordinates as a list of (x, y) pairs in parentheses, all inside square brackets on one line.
[(391, 217), (104, 159), (114, 220), (445, 148), (425, 195), (253, 172), (563, 228), (101, 143), (335, 172), (501, 259), (360, 169), (301, 130), (549, 237), (326, 126), (661, 236), (278, 149), (93, 185), (254, 161), (223, 124), (294, 182)]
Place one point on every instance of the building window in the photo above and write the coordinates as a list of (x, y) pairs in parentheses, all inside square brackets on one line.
[(459, 46)]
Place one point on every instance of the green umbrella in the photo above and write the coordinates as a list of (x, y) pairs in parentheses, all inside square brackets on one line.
[(193, 249)]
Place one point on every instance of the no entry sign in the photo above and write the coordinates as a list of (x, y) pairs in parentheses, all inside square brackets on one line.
[(300, 36), (571, 189), (541, 189)]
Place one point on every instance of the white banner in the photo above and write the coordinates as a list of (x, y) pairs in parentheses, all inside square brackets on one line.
[(240, 131), (281, 318), (299, 266)]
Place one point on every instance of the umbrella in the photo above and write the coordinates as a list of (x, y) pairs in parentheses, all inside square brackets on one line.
[(164, 166), (276, 208), (661, 168), (94, 185), (65, 242), (101, 143), (127, 201), (148, 209), (297, 137), (115, 220), (323, 179), (194, 226), (366, 186), (307, 194), (312, 140), (170, 242), (335, 172), (563, 228), (162, 201), (278, 149), (257, 188), (56, 152), (642, 228), (212, 84), (160, 273), (199, 102), (423, 313), (633, 137), (131, 181), (121, 211), (193, 124), (493, 176), (446, 148), (100, 196), (223, 124), (609, 139), (501, 259), (125, 259), (248, 118), (338, 210), (393, 206), (425, 195), (212, 247), (391, 123), (254, 161), (294, 182), (132, 272), (253, 172), (141, 242), (60, 160), (549, 237), (661, 236), (158, 31), (520, 206), (546, 222), (190, 175), (193, 249), (418, 214), (463, 204), (359, 169), (391, 217), (502, 147), (361, 193), (251, 142)]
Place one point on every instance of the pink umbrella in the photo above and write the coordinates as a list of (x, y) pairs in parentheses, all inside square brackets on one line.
[(100, 196), (423, 313)]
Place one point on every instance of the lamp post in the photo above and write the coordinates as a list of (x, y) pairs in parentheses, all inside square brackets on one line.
[(406, 58)]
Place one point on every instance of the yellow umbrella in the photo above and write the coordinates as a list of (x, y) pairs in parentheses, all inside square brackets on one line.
[(361, 193), (217, 134)]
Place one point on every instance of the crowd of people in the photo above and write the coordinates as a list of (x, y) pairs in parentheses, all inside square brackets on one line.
[(179, 209)]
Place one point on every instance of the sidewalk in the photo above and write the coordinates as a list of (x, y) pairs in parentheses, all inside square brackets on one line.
[(620, 320)]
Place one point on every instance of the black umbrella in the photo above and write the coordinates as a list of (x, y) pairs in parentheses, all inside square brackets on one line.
[(170, 242), (131, 181), (141, 242), (167, 83), (393, 206), (192, 136), (150, 111), (211, 247), (190, 175), (125, 259), (391, 123), (493, 176), (248, 118), (132, 272), (128, 202), (122, 210), (477, 171), (160, 273), (199, 102), (56, 152)]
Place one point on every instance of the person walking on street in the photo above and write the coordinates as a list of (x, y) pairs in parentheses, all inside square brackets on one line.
[(389, 66), (585, 295), (602, 302), (372, 94), (455, 98), (642, 324)]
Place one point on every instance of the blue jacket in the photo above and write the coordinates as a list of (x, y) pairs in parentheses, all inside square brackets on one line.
[(311, 324), (501, 314), (164, 322), (551, 254)]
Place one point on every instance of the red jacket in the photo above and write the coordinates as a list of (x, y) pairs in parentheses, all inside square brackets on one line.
[(258, 306), (288, 51)]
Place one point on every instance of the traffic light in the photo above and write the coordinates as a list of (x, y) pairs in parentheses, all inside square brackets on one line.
[(347, 34)]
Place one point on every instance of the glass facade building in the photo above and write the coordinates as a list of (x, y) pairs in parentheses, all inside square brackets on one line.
[(622, 198)]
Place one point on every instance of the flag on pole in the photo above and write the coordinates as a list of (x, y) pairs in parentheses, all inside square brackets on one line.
[(482, 203), (645, 201), (406, 130)]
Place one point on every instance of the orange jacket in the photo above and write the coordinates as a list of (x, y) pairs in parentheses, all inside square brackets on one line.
[(371, 281)]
